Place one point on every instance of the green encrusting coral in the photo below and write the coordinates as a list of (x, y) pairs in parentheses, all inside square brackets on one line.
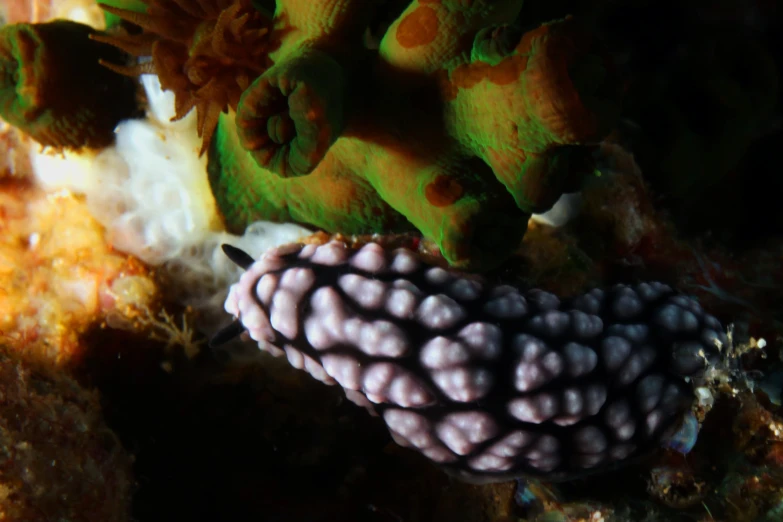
[(243, 191), (53, 88), (456, 122), (462, 149)]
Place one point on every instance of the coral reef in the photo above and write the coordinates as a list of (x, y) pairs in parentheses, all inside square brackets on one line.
[(58, 459), (487, 381), (53, 88), (627, 235), (150, 192), (37, 11), (216, 440), (460, 124), (14, 153), (206, 53), (58, 276)]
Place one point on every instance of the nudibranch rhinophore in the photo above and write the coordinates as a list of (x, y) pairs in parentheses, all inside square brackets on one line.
[(488, 381), (53, 88)]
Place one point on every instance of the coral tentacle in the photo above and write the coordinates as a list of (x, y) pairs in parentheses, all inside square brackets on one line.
[(293, 113)]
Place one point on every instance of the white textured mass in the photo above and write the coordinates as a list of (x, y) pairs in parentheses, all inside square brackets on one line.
[(464, 289), (332, 253), (463, 431), (437, 276), (442, 352), (151, 192), (389, 382), (543, 300), (367, 293), (286, 301), (579, 359), (506, 303), (401, 303), (552, 323), (535, 408), (330, 324), (638, 362), (439, 312), (484, 340), (627, 304), (618, 416), (536, 365), (404, 261), (413, 429), (464, 384), (370, 258)]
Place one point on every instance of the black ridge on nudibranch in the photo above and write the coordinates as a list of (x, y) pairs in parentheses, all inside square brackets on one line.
[(488, 381)]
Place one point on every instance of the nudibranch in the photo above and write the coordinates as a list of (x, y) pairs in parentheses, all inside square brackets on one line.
[(53, 88), (459, 124), (488, 381)]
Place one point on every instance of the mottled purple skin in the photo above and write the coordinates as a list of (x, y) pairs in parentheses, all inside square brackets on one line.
[(490, 382)]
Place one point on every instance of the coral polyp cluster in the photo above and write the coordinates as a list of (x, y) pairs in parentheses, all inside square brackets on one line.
[(206, 53), (458, 124)]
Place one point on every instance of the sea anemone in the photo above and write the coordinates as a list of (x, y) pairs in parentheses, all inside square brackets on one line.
[(206, 52)]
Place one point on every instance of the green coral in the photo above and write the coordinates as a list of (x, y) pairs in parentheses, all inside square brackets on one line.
[(464, 150), (459, 124), (54, 89)]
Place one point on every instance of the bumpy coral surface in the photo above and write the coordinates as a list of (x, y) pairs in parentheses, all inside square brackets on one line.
[(459, 124), (54, 89), (486, 380), (58, 459)]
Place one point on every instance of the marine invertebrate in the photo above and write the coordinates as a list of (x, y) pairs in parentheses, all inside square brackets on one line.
[(207, 53), (60, 277), (53, 88), (486, 380), (459, 124), (465, 128)]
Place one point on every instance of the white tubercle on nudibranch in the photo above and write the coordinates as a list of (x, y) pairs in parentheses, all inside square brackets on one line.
[(488, 381)]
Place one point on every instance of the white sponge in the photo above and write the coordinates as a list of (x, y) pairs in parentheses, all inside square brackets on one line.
[(151, 192)]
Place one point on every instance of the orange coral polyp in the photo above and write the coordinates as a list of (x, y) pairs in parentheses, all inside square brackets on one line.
[(205, 52)]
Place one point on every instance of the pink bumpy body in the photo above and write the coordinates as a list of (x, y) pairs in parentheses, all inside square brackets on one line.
[(488, 381)]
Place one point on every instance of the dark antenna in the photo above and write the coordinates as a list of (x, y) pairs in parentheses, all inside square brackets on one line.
[(238, 256), (226, 334)]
